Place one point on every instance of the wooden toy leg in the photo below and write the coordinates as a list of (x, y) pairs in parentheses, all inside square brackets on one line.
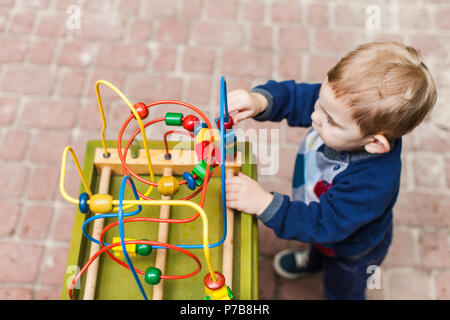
[(227, 261), (163, 235), (91, 277)]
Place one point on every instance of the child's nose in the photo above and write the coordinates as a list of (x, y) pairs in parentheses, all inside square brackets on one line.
[(315, 117)]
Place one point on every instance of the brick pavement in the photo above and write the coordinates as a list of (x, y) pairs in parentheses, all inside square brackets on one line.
[(177, 50)]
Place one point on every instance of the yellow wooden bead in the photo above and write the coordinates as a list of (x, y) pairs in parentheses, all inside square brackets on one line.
[(203, 135), (168, 185), (131, 248), (101, 203)]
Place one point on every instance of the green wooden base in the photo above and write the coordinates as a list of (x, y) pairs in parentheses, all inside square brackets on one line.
[(116, 282)]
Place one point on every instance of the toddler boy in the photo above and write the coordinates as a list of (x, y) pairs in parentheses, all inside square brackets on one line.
[(347, 170)]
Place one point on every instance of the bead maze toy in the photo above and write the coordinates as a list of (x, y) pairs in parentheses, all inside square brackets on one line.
[(143, 262)]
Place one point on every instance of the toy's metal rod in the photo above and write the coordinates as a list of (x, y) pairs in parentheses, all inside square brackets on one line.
[(163, 236), (227, 261), (91, 277)]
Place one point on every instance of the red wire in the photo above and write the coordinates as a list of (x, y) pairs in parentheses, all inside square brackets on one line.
[(175, 131), (153, 243)]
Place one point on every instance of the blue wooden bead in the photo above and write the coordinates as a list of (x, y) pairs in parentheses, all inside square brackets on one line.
[(82, 203), (189, 180)]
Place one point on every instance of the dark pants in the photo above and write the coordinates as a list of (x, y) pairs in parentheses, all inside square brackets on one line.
[(346, 278)]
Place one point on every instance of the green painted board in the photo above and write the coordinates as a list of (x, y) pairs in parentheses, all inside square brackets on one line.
[(115, 282)]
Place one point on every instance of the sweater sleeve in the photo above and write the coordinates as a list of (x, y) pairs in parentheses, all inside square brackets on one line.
[(359, 195), (288, 100)]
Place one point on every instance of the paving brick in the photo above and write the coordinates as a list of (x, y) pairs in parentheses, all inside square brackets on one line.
[(431, 138), (218, 9), (146, 87), (52, 25), (9, 213), (13, 179), (401, 251), (253, 64), (293, 38), (428, 170), (411, 18), (7, 3), (27, 80), (422, 209), (21, 23), (78, 54), (118, 56), (198, 60), (172, 31), (409, 285), (191, 9), (223, 34), (42, 52), (72, 83), (199, 91), (141, 30), (64, 223), (43, 183), (159, 8), (3, 21), (295, 135), (430, 45), (14, 145), (268, 243), (15, 293), (129, 7), (317, 14), (13, 49), (442, 286), (54, 266), (164, 59), (331, 40), (20, 262), (434, 249), (318, 67), (47, 294), (47, 147), (99, 27), (306, 288), (8, 109), (286, 11), (261, 36), (49, 114), (289, 65), (36, 222), (254, 10), (447, 171), (99, 6), (440, 20), (286, 161), (266, 279)]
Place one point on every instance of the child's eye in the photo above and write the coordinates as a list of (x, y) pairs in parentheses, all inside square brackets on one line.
[(330, 121)]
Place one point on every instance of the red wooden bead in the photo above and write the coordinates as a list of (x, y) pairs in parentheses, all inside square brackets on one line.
[(141, 109), (189, 122), (220, 281), (227, 125)]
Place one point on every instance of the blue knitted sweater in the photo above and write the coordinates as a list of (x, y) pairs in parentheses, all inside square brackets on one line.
[(341, 201)]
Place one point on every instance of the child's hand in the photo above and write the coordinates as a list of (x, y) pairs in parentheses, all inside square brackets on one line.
[(245, 194), (248, 104)]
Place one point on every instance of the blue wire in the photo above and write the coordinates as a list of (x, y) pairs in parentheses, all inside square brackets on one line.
[(223, 115), (121, 231), (223, 109), (101, 216)]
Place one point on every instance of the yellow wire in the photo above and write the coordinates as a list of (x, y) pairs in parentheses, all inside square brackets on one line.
[(191, 204), (62, 177), (138, 118), (133, 202)]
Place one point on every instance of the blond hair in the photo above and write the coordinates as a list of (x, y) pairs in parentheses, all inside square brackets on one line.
[(387, 86)]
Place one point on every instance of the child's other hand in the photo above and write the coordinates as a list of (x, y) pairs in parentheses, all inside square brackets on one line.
[(245, 194), (247, 104)]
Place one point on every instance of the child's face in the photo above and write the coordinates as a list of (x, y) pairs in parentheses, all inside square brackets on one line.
[(333, 122)]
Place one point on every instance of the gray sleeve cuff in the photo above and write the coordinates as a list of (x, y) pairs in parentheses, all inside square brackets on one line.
[(265, 114), (273, 207)]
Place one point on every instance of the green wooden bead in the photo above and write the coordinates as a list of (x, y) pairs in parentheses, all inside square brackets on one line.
[(174, 119), (143, 249), (134, 148), (152, 275)]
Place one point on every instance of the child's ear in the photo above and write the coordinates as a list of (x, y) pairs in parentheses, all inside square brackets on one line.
[(378, 144)]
